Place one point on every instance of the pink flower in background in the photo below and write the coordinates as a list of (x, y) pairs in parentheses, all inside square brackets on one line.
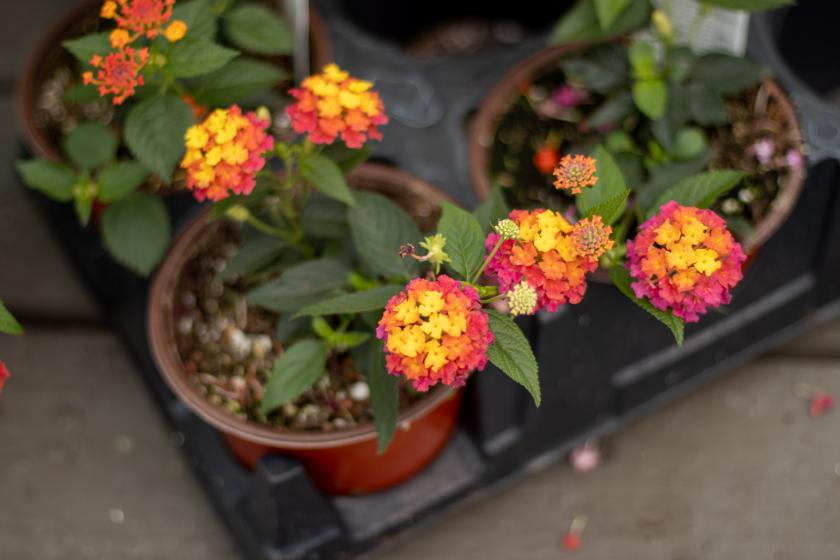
[(821, 402), (4, 374), (569, 96), (794, 159), (763, 151)]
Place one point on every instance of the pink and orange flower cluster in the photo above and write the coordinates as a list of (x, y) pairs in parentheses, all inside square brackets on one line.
[(435, 332), (685, 260), (119, 72), (225, 152), (334, 104), (551, 254)]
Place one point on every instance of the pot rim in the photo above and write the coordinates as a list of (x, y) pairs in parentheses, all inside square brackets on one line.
[(497, 101), (160, 332), (27, 90)]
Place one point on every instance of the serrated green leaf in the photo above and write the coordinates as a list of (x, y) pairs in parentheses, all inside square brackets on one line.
[(726, 74), (255, 28), (464, 240), (651, 97), (297, 369), (511, 352), (621, 278), (136, 231), (749, 5), (86, 46), (324, 218), (237, 82), (700, 190), (154, 132), (194, 57), (120, 179), (608, 11), (323, 174), (8, 324), (492, 209), (608, 198), (300, 285), (90, 145), (253, 255), (357, 302), (384, 396), (199, 17), (379, 228), (55, 180)]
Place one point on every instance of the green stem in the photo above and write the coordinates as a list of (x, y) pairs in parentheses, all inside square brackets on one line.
[(497, 297), (487, 260), (268, 229)]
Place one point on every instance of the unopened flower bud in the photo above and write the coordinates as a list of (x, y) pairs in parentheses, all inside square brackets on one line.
[(663, 24), (522, 299), (263, 113), (238, 213), (434, 245), (507, 229)]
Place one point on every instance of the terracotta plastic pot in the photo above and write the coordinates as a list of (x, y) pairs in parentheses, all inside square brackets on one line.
[(341, 462), (49, 51), (484, 124)]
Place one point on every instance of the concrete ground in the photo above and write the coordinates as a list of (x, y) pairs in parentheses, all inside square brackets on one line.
[(89, 470)]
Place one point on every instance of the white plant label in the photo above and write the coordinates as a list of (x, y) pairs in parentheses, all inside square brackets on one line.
[(720, 30)]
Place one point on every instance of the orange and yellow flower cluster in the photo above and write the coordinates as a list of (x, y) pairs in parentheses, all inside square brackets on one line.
[(333, 104), (225, 152), (575, 173), (686, 260), (435, 332), (551, 254), (119, 72)]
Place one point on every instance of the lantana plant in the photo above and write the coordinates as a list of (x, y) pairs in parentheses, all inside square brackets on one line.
[(153, 69)]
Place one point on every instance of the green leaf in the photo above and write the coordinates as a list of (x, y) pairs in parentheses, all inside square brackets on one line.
[(343, 341), (300, 285), (357, 302), (297, 369), (600, 69), (621, 278), (464, 240), (55, 180), (700, 190), (749, 5), (511, 352), (690, 142), (81, 94), (193, 57), (253, 255), (324, 218), (136, 231), (675, 117), (663, 176), (581, 23), (608, 198), (83, 202), (726, 74), (706, 106), (237, 82), (255, 28), (346, 158), (8, 324), (323, 174), (120, 179), (612, 111), (287, 328), (492, 209), (651, 97), (379, 228), (90, 145), (608, 11), (384, 396), (85, 47), (643, 61), (154, 131), (199, 17)]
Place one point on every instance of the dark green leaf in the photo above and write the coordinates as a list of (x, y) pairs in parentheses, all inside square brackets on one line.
[(689, 143), (55, 180), (324, 218), (676, 116), (384, 398), (237, 82), (199, 17), (608, 11), (706, 106), (90, 145), (253, 255), (726, 74), (379, 228), (621, 278), (300, 285), (154, 131), (700, 190), (323, 174), (511, 353), (357, 302), (287, 328), (748, 5), (85, 47), (600, 68), (492, 209), (612, 111), (464, 240), (608, 198), (297, 369), (662, 177), (193, 57), (580, 23), (346, 158), (255, 28), (120, 179), (135, 231), (8, 324), (81, 93), (651, 97), (343, 341)]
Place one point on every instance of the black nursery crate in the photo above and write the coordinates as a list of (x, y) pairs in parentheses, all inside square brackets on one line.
[(603, 361)]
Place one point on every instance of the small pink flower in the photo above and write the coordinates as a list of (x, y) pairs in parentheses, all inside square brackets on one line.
[(586, 458), (763, 151), (821, 403), (794, 159), (4, 374), (569, 96)]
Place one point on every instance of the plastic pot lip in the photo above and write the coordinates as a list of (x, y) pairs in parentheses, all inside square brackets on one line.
[(160, 332), (497, 102), (27, 91)]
